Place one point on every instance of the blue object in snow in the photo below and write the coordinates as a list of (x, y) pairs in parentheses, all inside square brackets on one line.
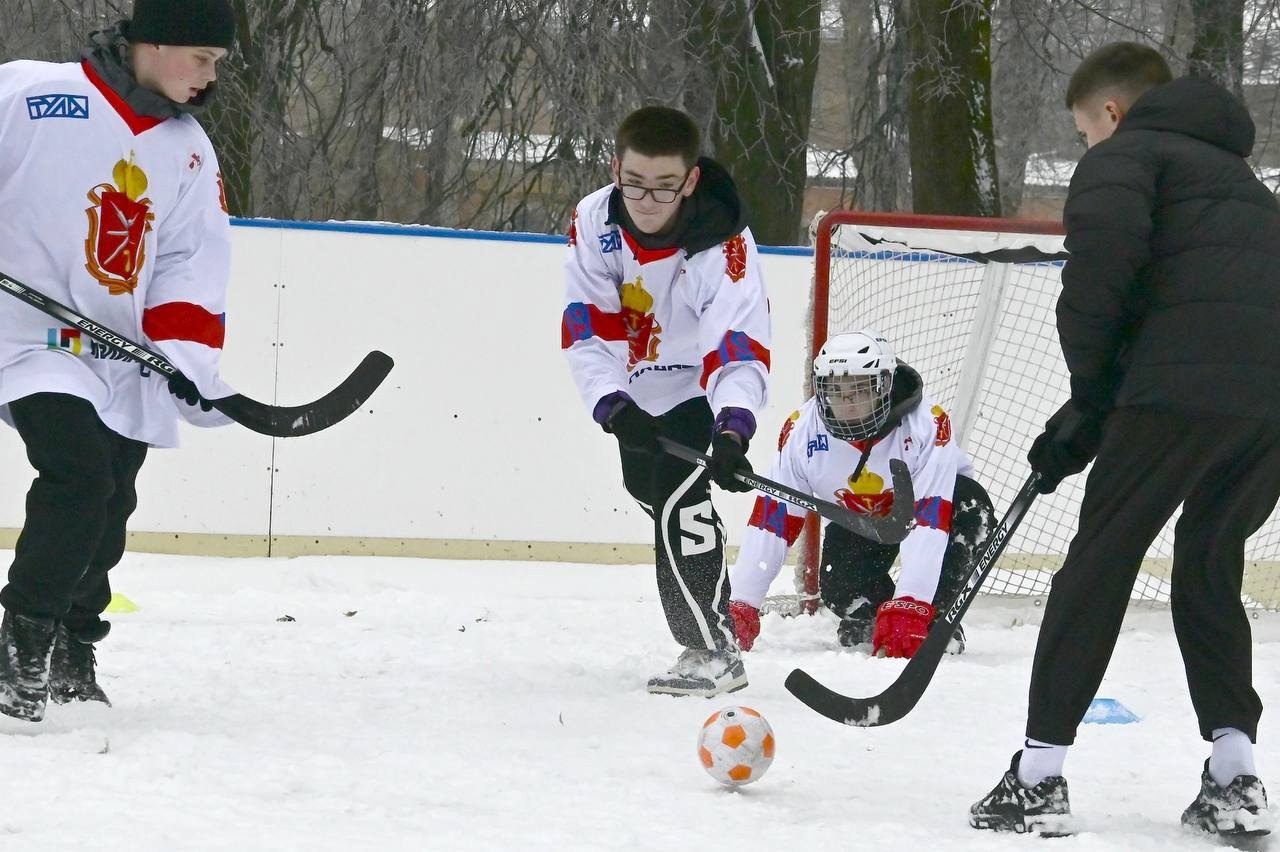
[(1108, 711)]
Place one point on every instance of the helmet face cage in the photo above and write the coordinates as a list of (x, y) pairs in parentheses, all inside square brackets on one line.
[(854, 406)]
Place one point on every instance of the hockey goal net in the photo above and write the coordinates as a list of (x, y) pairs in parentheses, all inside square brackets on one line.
[(969, 303)]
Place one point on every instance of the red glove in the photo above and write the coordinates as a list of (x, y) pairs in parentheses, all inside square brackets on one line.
[(901, 625), (746, 623)]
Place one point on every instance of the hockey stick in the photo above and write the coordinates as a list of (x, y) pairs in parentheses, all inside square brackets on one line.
[(901, 695), (277, 421), (889, 529)]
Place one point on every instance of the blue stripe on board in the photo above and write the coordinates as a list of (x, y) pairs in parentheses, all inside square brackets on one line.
[(457, 234)]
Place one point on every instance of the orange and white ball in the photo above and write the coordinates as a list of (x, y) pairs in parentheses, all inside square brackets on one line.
[(736, 745)]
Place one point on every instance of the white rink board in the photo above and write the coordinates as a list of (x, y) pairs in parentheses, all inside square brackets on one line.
[(477, 434)]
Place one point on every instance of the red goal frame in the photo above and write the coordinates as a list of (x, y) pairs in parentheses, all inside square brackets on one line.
[(810, 548)]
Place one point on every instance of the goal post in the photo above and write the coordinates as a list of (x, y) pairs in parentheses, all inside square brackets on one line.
[(970, 304)]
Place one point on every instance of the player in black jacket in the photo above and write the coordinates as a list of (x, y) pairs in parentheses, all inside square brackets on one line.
[(1169, 319)]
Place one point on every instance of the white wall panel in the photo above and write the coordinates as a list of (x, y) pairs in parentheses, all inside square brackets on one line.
[(477, 434)]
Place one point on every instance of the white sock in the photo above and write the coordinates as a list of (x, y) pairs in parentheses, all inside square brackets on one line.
[(1040, 761), (1232, 755)]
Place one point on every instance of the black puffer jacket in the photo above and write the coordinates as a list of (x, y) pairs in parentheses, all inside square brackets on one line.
[(1171, 297)]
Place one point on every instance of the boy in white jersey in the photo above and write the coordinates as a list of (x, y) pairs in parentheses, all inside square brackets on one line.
[(110, 137), (867, 409), (666, 330)]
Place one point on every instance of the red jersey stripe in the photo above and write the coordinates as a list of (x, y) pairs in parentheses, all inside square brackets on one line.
[(582, 321), (184, 321), (771, 515)]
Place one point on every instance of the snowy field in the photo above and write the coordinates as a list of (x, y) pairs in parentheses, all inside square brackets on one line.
[(415, 704)]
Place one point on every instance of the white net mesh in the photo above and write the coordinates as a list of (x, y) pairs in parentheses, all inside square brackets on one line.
[(982, 336)]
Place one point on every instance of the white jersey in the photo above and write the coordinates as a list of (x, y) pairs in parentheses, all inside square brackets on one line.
[(662, 327), (809, 460), (121, 217)]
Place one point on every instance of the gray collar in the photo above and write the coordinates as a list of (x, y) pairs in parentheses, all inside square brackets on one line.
[(106, 52)]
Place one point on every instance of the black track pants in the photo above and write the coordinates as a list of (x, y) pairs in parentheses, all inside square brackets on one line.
[(693, 582), (77, 508), (1225, 471)]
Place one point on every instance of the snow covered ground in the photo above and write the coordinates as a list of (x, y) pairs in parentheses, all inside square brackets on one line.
[(415, 704)]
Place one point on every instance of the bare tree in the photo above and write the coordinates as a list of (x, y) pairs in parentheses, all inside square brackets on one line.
[(765, 56), (875, 47), (501, 113), (953, 162), (1217, 50)]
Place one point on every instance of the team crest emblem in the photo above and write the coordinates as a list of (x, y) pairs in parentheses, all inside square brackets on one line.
[(942, 424), (786, 429), (222, 195), (118, 222), (643, 332), (866, 495), (735, 258)]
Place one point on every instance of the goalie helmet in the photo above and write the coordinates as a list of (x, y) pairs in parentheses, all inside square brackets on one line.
[(852, 380)]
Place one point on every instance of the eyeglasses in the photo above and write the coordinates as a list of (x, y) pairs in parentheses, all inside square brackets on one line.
[(662, 196)]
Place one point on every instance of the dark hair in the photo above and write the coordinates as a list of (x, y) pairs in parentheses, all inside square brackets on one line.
[(657, 131), (1124, 66)]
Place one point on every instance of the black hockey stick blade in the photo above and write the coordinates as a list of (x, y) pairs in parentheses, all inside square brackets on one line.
[(887, 529), (294, 421), (901, 696), (276, 421)]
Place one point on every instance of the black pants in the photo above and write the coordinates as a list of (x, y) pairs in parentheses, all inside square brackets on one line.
[(76, 510), (693, 582), (1225, 471), (854, 568)]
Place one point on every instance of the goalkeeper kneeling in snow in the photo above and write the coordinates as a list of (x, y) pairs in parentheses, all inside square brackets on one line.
[(867, 409)]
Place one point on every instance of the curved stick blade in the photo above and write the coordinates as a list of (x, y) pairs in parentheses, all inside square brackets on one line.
[(294, 421)]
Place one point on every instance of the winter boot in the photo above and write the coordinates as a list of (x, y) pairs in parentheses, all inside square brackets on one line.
[(71, 669), (702, 672), (1234, 811), (1043, 809), (25, 646)]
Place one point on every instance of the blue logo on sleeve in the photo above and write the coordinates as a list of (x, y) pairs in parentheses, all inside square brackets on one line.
[(58, 106), (610, 242)]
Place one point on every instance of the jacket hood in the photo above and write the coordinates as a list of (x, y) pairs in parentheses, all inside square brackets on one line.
[(1197, 108), (908, 389), (708, 217)]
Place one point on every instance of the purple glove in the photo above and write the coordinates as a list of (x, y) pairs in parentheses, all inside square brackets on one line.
[(732, 432), (635, 428), (738, 420)]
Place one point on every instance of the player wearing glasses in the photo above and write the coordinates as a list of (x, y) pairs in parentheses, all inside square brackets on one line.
[(666, 329)]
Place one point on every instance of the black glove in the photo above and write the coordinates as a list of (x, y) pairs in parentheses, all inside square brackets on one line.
[(1069, 442), (635, 428), (186, 390), (729, 456)]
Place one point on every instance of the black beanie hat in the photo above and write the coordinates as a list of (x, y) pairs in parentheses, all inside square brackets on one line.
[(194, 23)]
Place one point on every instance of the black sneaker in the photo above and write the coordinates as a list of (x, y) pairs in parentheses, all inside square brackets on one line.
[(71, 669), (1236, 810), (1043, 809), (25, 646)]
